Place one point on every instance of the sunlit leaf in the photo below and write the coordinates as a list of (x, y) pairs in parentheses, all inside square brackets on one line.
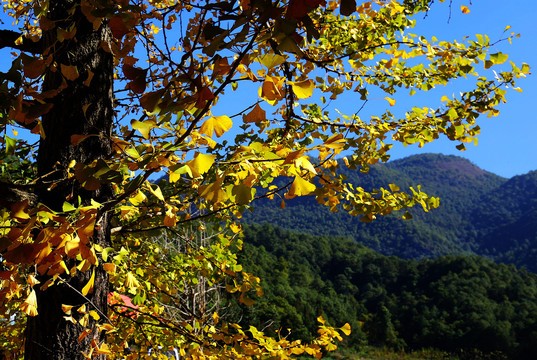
[(390, 101), (155, 190), (498, 58), (201, 164), (29, 306), (272, 89), (217, 124), (110, 268), (300, 187), (303, 89), (213, 192), (271, 60), (88, 288), (144, 127)]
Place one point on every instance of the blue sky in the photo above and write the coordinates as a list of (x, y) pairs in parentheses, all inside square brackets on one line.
[(508, 143)]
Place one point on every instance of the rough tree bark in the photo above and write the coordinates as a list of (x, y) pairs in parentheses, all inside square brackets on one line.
[(77, 109)]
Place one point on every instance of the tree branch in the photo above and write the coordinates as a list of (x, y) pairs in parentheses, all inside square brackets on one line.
[(8, 38), (11, 194)]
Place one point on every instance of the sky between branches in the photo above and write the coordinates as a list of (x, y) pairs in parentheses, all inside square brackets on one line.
[(507, 144)]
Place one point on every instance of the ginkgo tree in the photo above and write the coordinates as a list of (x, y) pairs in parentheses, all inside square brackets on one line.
[(103, 95)]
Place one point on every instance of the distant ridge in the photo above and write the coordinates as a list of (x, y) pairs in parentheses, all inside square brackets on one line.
[(450, 163), (480, 213)]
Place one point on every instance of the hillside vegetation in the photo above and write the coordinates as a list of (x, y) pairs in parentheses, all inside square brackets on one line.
[(462, 305), (480, 213)]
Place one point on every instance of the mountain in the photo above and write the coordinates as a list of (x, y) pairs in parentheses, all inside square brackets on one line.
[(480, 212), (507, 218)]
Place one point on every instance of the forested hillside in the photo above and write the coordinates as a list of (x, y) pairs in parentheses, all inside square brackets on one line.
[(480, 213), (459, 304)]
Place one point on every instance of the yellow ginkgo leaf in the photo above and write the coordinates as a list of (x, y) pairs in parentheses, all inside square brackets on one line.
[(270, 61), (300, 187), (110, 268), (390, 100), (346, 329), (303, 89), (144, 127), (131, 282), (19, 210), (272, 89), (137, 198), (155, 190), (217, 124), (67, 309), (32, 281), (213, 192), (465, 9), (103, 349), (94, 315), (200, 164), (29, 306), (88, 288)]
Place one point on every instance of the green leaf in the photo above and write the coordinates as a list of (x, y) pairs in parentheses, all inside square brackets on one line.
[(105, 253), (67, 207), (144, 127), (10, 145), (243, 194), (498, 58), (270, 60)]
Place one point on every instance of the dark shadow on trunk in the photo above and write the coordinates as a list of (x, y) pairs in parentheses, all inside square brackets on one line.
[(78, 108)]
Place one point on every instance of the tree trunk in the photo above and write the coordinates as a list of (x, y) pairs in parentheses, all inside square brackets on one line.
[(79, 108)]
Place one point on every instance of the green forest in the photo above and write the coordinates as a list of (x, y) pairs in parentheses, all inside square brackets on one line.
[(465, 306)]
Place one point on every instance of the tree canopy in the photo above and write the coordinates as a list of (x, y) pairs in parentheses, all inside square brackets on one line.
[(102, 96)]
